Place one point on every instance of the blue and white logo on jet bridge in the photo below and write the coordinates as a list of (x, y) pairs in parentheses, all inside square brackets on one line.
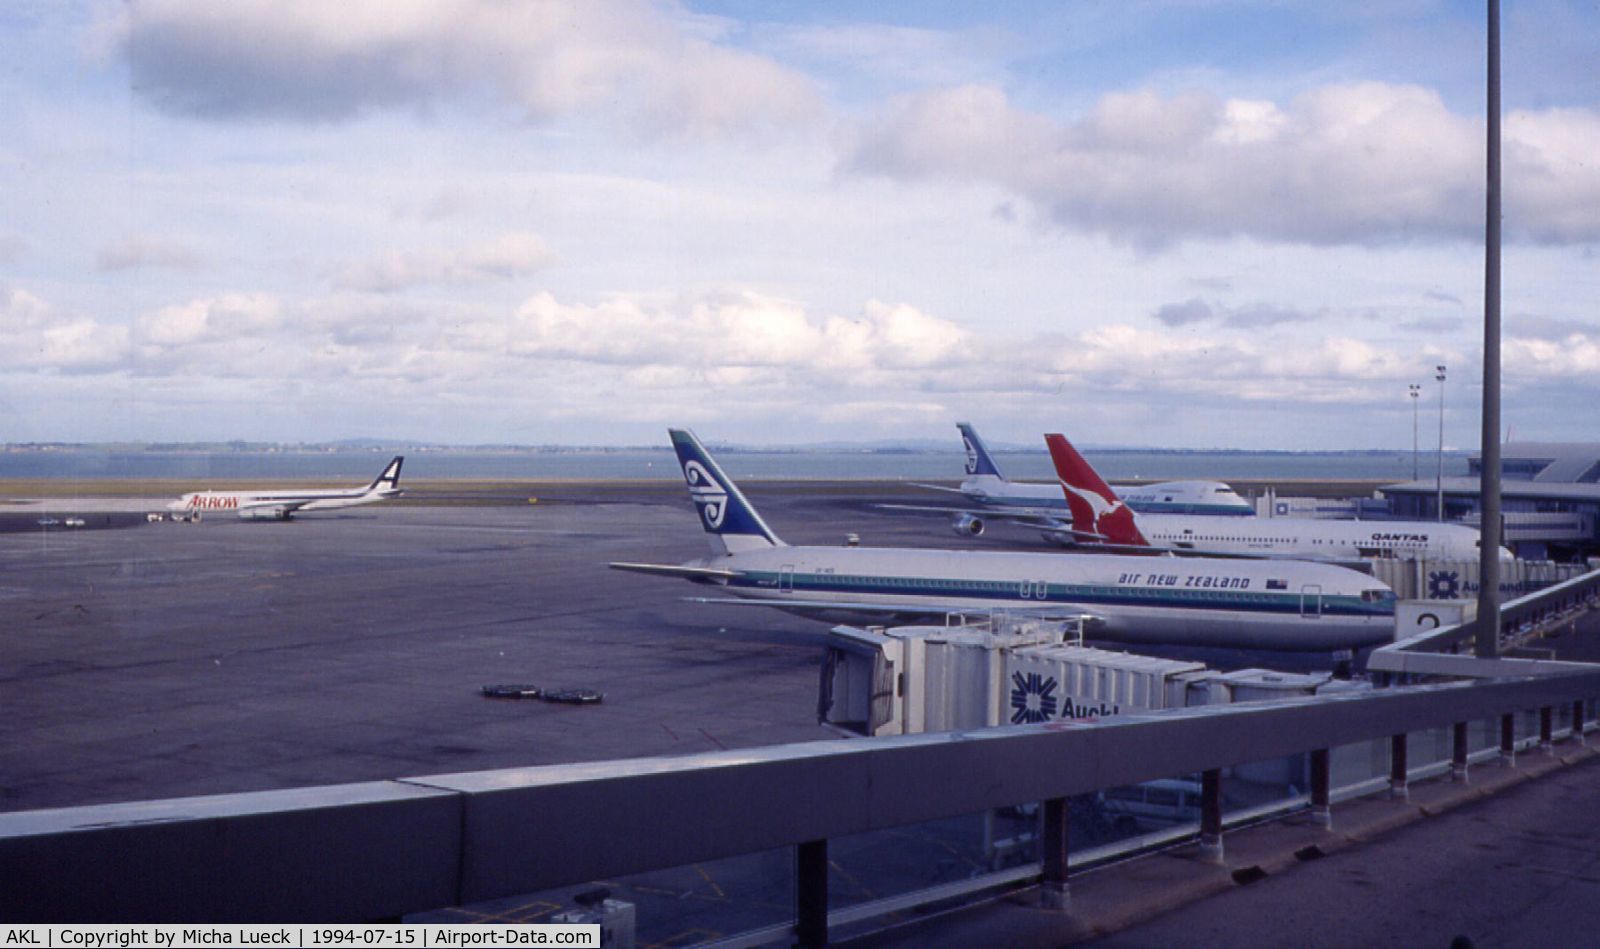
[(711, 497), (1033, 698), (1444, 585)]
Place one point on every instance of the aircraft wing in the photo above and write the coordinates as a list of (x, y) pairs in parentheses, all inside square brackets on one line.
[(279, 509), (1049, 518), (701, 574), (906, 612)]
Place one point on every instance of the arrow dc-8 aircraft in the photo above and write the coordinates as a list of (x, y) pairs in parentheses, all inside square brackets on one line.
[(284, 504), (996, 497), (1190, 601)]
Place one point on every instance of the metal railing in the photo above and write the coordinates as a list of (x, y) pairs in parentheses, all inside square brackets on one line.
[(380, 850), (1448, 651)]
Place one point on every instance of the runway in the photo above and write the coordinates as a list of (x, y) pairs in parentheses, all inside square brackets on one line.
[(176, 659)]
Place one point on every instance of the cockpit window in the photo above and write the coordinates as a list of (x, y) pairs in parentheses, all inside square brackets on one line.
[(1376, 596)]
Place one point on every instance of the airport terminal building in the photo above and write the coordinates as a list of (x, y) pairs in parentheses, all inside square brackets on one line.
[(1550, 496)]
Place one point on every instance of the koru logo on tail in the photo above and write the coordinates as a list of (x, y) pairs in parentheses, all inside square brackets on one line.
[(711, 497), (972, 455)]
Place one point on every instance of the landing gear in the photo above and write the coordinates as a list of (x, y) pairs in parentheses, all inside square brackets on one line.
[(1343, 664)]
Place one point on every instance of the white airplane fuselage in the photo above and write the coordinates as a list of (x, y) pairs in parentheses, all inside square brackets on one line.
[(235, 502), (1200, 498), (1190, 601), (1314, 539), (283, 503)]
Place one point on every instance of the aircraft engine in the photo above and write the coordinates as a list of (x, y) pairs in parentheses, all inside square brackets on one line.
[(264, 514), (967, 526)]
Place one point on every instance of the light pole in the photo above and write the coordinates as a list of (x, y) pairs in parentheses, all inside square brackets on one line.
[(1416, 393), (1438, 482), (1490, 530)]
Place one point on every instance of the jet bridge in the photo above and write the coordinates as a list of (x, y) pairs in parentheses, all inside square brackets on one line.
[(976, 672)]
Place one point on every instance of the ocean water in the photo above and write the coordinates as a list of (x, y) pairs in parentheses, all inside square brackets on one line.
[(638, 463)]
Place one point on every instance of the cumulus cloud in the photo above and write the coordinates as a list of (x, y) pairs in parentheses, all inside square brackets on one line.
[(304, 60), (136, 252), (217, 319), (655, 357), (723, 330), (36, 336), (1361, 163), (505, 258), (1573, 357)]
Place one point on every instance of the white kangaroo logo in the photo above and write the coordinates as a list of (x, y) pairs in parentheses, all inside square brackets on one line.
[(1098, 504), (706, 492)]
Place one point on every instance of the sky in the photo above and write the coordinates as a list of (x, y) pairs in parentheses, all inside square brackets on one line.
[(1178, 223)]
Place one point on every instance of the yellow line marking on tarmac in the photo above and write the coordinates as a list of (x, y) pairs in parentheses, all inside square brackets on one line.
[(852, 879), (945, 845), (707, 877), (515, 914)]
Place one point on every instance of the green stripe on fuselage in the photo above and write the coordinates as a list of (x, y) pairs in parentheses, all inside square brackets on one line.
[(1013, 592)]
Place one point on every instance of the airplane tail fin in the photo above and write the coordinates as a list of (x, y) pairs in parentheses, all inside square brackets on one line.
[(1096, 509), (730, 521), (979, 461), (389, 481)]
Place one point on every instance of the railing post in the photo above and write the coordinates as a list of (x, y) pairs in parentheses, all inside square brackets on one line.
[(1211, 815), (1508, 747), (1397, 767), (811, 893), (1458, 753), (1055, 837), (1321, 806), (1577, 720), (1547, 730)]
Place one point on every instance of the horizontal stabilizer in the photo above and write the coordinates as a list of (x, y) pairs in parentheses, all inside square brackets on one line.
[(675, 570), (1100, 541), (928, 508), (937, 487)]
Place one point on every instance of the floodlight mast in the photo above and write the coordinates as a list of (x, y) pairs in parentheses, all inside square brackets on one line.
[(1487, 638)]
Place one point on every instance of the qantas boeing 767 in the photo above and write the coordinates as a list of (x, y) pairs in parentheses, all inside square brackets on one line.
[(1191, 601), (1099, 517)]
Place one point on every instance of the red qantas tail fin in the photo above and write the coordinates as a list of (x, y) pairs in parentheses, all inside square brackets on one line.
[(1096, 509)]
